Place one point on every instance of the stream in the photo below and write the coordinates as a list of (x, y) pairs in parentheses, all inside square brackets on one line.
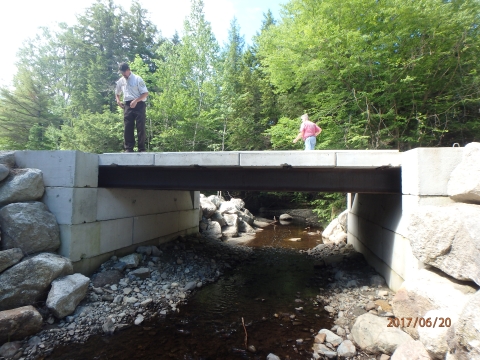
[(271, 299)]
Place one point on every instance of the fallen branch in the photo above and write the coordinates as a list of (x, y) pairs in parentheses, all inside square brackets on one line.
[(246, 335)]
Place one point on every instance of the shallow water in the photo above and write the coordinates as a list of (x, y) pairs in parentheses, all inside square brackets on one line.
[(288, 236), (264, 292)]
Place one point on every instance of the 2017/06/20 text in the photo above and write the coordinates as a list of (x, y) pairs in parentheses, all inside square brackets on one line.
[(420, 321)]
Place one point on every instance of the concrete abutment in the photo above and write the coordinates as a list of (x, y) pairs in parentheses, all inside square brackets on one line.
[(378, 223), (96, 223)]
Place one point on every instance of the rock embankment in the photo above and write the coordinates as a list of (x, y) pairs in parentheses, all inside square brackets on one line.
[(28, 264), (224, 220)]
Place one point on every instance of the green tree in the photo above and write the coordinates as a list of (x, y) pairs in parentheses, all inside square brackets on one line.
[(187, 78), (25, 114), (385, 74), (93, 132), (253, 105)]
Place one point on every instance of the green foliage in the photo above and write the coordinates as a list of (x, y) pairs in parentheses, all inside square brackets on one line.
[(328, 206), (93, 132), (384, 74), (181, 111), (283, 133), (25, 114)]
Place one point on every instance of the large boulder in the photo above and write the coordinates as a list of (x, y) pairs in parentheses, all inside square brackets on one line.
[(9, 258), (464, 183), (28, 281), (218, 218), (429, 291), (19, 323), (231, 229), (30, 227), (336, 231), (22, 185), (246, 216), (244, 227), (448, 238), (434, 338), (216, 200), (464, 336), (228, 207), (238, 203), (66, 293), (7, 158), (373, 335), (410, 350), (213, 230), (4, 172), (208, 208)]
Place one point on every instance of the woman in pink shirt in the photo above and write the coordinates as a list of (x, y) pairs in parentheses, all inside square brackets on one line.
[(308, 132)]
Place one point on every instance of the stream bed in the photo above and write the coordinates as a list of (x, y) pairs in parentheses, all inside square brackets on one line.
[(270, 298)]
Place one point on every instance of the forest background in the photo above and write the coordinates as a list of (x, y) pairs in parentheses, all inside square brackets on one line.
[(390, 74)]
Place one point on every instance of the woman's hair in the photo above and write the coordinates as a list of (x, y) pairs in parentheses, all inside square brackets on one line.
[(304, 117)]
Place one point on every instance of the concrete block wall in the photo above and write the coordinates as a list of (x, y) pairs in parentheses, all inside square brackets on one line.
[(96, 223), (378, 223)]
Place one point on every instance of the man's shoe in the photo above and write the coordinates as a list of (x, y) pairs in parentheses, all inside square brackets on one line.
[(128, 150)]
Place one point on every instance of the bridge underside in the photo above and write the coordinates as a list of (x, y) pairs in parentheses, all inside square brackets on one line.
[(383, 180)]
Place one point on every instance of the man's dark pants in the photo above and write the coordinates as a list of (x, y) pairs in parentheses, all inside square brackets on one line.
[(132, 117)]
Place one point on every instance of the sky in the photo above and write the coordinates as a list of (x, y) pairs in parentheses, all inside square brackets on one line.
[(22, 18)]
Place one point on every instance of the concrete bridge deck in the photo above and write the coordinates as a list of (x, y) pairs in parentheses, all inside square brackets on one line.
[(361, 171)]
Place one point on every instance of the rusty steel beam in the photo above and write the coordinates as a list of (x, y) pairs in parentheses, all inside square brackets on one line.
[(382, 180)]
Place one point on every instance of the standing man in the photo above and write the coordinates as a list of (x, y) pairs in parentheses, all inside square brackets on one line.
[(308, 132), (134, 94)]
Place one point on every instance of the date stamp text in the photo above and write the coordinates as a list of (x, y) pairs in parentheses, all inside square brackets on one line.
[(420, 321)]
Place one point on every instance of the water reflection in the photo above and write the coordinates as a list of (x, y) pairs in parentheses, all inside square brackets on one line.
[(285, 234)]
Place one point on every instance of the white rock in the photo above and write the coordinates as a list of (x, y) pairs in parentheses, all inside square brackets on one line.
[(238, 203), (336, 232), (346, 349), (285, 217), (228, 207), (231, 230), (208, 208), (216, 200), (331, 338), (66, 293), (448, 238), (213, 231), (434, 338), (139, 319), (272, 357), (372, 334), (466, 341), (410, 350)]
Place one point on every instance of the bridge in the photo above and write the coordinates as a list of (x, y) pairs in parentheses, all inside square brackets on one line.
[(109, 204), (326, 171)]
